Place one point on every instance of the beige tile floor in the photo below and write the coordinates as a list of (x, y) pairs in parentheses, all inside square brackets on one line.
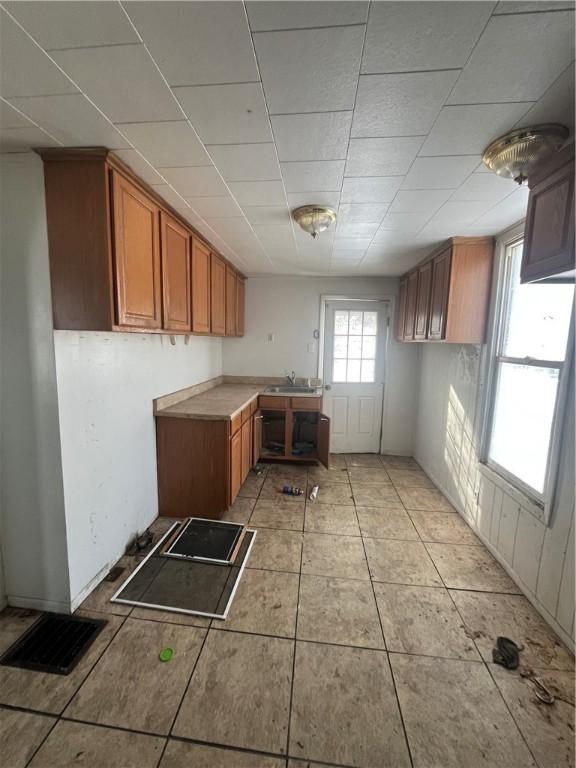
[(360, 636)]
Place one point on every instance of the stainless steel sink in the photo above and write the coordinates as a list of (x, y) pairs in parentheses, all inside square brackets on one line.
[(289, 389)]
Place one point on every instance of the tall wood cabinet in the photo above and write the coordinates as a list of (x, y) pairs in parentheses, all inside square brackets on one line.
[(121, 259), (445, 298), (548, 251)]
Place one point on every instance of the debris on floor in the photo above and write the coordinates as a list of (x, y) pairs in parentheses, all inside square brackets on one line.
[(140, 543), (292, 490), (314, 493), (506, 653), (115, 573)]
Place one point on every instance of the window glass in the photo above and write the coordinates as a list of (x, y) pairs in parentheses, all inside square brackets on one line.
[(538, 316), (354, 351)]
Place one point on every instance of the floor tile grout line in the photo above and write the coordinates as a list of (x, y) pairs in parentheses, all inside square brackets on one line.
[(43, 741), (386, 649), (204, 639)]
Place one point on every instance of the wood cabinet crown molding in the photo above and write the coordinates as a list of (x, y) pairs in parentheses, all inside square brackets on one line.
[(122, 259), (445, 297)]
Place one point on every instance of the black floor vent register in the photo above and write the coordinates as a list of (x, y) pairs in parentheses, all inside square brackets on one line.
[(55, 643)]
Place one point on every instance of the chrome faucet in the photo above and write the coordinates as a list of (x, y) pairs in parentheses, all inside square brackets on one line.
[(291, 378)]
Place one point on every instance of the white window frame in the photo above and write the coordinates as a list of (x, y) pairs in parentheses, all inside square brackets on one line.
[(541, 503)]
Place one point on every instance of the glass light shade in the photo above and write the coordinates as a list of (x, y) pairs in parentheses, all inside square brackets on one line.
[(314, 218), (515, 155)]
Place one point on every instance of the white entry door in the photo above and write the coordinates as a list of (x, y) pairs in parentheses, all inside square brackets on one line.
[(353, 373)]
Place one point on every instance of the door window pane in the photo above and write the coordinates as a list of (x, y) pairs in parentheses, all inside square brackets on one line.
[(538, 316), (353, 371), (370, 323), (523, 413), (339, 371), (354, 349), (340, 321), (368, 371), (340, 346)]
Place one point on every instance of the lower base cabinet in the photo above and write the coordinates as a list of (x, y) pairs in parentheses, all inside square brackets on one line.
[(202, 463)]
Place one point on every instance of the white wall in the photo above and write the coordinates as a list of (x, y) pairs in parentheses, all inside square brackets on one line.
[(33, 529), (106, 384), (289, 308), (540, 558)]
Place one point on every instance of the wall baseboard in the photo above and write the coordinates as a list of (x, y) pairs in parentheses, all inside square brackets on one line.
[(31, 603), (528, 594)]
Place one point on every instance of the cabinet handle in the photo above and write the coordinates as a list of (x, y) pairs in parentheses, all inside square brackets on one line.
[(258, 417), (323, 418)]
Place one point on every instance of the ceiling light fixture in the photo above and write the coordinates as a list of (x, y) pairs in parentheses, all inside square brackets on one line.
[(314, 218), (515, 155)]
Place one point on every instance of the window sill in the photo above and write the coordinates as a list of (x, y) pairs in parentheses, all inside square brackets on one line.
[(525, 501)]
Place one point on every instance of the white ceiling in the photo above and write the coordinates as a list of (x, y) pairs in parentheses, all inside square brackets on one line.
[(239, 112)]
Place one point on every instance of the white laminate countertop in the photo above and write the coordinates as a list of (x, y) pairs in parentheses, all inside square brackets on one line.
[(224, 401)]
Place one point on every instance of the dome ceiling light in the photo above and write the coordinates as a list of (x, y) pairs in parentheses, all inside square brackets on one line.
[(515, 155), (314, 218)]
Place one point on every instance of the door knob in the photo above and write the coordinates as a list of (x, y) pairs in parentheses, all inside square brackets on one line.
[(327, 386)]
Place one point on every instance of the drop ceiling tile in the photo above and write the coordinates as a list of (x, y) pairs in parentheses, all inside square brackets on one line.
[(404, 37), (227, 114), (420, 201), (321, 136), (484, 186), (73, 120), (508, 6), (302, 14), (382, 157), (139, 165), (400, 104), (392, 241), (11, 118), (215, 207), (197, 43), (366, 213), (351, 243), (296, 199), (469, 129), (347, 255), (73, 24), (269, 232), (370, 190), (287, 59), (196, 182), (258, 192), (171, 197), (24, 138), (264, 215), (324, 174), (354, 229), (457, 213), (246, 162), (138, 94), (506, 213), (439, 172), (556, 105), (517, 58), (401, 222), (26, 69), (232, 229), (166, 144)]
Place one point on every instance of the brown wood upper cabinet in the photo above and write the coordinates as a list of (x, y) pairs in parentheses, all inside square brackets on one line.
[(175, 244), (231, 302), (200, 287), (446, 297), (217, 296), (137, 256), (548, 252), (121, 258)]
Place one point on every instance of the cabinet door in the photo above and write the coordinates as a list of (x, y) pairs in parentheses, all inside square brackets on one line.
[(200, 287), (231, 298), (235, 464), (401, 309), (137, 256), (410, 313), (246, 448), (423, 301), (439, 295), (256, 437), (240, 308), (324, 440), (217, 296), (175, 242), (549, 240)]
